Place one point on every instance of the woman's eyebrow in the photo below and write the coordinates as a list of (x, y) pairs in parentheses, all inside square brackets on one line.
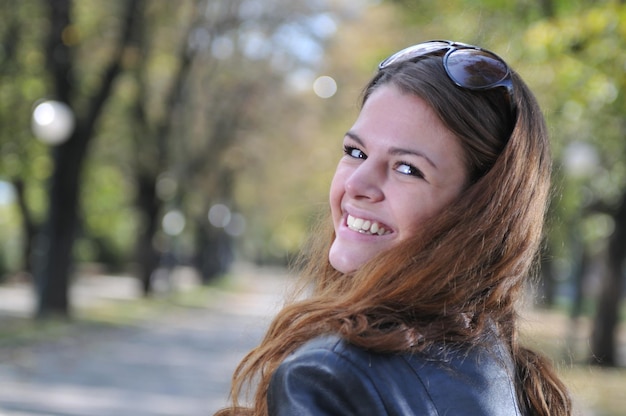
[(396, 151), (355, 137)]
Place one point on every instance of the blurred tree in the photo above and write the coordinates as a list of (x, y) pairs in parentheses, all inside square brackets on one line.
[(54, 258), (188, 147), (249, 65), (152, 132), (582, 56), (185, 82), (20, 86)]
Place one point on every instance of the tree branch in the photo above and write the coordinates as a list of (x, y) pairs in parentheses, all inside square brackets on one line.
[(114, 68), (58, 52)]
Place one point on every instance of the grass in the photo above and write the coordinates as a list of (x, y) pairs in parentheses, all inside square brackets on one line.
[(16, 332), (597, 391)]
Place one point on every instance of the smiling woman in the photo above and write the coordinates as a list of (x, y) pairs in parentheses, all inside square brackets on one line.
[(436, 216)]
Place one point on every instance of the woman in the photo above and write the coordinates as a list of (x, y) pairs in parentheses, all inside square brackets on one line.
[(437, 209)]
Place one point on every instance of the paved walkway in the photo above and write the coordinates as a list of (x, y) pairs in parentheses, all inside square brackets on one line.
[(177, 364)]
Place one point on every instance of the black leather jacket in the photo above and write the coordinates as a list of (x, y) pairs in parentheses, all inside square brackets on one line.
[(328, 376)]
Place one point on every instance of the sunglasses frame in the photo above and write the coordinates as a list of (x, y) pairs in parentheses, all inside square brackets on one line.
[(411, 53)]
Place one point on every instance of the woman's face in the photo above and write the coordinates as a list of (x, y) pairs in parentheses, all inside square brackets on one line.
[(400, 167)]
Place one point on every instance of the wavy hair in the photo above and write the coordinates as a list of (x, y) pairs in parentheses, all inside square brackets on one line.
[(464, 271)]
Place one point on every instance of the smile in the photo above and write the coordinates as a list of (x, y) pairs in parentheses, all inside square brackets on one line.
[(366, 226)]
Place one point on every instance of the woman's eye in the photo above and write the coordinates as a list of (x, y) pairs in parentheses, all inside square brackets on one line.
[(354, 152), (408, 169)]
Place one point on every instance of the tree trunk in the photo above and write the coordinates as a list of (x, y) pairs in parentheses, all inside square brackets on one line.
[(581, 270), (28, 226), (147, 173), (214, 254), (52, 256), (147, 255), (603, 337), (54, 245)]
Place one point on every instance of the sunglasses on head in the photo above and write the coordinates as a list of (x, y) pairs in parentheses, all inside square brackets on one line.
[(467, 66)]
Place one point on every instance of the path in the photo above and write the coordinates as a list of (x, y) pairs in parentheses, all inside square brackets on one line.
[(179, 364)]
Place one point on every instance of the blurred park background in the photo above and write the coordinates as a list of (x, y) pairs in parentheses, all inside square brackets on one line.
[(141, 136)]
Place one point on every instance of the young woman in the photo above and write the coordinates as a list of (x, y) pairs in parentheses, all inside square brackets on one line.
[(437, 209)]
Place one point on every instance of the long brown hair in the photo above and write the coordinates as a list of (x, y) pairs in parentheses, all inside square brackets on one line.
[(468, 264)]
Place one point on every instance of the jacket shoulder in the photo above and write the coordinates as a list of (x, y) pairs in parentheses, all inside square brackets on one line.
[(328, 376), (477, 380)]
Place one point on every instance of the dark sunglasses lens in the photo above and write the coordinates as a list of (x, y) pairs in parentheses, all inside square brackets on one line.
[(413, 52), (474, 68)]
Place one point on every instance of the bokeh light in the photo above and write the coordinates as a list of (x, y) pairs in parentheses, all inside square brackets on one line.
[(325, 86), (52, 122), (219, 215), (173, 223)]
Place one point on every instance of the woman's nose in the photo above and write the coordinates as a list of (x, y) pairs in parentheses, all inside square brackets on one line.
[(365, 182)]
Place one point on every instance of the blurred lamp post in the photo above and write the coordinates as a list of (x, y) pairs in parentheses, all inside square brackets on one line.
[(580, 161), (52, 122)]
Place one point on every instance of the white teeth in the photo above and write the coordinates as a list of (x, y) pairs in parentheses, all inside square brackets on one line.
[(365, 226)]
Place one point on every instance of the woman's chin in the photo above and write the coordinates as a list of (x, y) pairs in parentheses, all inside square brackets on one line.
[(345, 261)]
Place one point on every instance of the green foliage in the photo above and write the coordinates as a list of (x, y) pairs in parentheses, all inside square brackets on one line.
[(578, 64), (285, 141), (22, 83), (10, 242), (108, 217)]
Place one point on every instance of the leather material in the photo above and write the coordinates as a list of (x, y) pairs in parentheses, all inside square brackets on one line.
[(328, 376)]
